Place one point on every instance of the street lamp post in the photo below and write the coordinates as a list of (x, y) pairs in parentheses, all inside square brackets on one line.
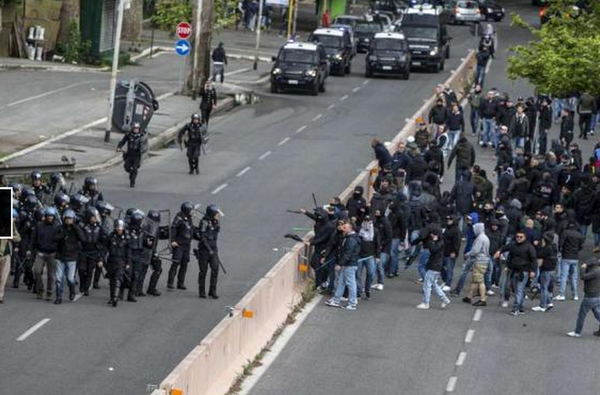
[(115, 70), (258, 29)]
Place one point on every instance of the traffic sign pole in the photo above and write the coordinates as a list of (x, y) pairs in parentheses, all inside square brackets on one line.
[(115, 68)]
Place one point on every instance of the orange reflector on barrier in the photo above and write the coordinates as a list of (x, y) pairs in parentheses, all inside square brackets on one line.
[(374, 171), (176, 391), (248, 313), (303, 268)]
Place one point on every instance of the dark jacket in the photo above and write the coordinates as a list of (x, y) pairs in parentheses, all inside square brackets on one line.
[(438, 115), (462, 196), (496, 239), (519, 126), (591, 281), (69, 246), (384, 228), (182, 229), (522, 257), (119, 250), (46, 237), (545, 117), (436, 254), (382, 155), (350, 250), (464, 154), (371, 248), (571, 242), (219, 55), (452, 238), (399, 219), (549, 256), (455, 121)]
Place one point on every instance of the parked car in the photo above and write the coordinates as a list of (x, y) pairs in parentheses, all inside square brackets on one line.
[(300, 66), (465, 11), (491, 10)]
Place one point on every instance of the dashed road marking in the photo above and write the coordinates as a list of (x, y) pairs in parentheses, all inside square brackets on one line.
[(244, 171), (477, 315), (219, 189), (282, 142), (77, 297), (469, 336), (451, 384), (461, 358), (343, 97), (301, 128), (34, 328), (365, 82), (356, 89), (331, 106), (263, 156), (317, 117)]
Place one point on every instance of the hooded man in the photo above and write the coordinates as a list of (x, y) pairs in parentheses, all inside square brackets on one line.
[(480, 255)]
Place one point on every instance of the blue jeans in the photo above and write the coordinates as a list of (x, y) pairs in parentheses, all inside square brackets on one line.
[(557, 106), (346, 278), (381, 265), (429, 282), (414, 249), (489, 128), (587, 304), (474, 120), (395, 257), (584, 230), (423, 258), (497, 272), (518, 142), (480, 75), (488, 274), (519, 281), (467, 267), (545, 280), (569, 269), (369, 264), (64, 268), (453, 134), (448, 270)]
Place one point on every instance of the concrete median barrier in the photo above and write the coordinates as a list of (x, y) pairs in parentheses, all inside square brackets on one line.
[(214, 365)]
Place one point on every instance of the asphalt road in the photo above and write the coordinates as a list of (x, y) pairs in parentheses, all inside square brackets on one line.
[(292, 145), (388, 346)]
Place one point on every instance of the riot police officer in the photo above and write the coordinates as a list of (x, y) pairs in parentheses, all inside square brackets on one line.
[(78, 203), (208, 252), (133, 156), (152, 235), (105, 210), (90, 190), (92, 252), (118, 259), (182, 230), (195, 132), (40, 189), (209, 100), (26, 225), (136, 237), (61, 203), (57, 184)]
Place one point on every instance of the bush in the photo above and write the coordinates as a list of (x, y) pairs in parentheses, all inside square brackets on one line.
[(170, 13)]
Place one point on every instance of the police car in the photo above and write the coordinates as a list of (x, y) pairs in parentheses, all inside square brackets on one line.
[(337, 44), (388, 54), (300, 66)]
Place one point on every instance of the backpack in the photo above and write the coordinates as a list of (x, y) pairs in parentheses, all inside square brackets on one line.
[(415, 219)]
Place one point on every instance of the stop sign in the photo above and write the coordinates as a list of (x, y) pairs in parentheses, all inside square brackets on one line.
[(184, 30)]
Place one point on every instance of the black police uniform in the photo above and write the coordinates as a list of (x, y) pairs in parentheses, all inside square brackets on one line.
[(133, 156), (24, 265), (118, 260), (105, 225), (209, 100), (92, 253), (181, 232), (138, 260), (152, 235), (195, 132), (208, 255)]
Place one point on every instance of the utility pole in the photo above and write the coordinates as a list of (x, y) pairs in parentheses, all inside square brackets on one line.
[(115, 70), (197, 47), (290, 16), (258, 29)]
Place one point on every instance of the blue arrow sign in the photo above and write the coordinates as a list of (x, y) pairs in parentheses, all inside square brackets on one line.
[(182, 47)]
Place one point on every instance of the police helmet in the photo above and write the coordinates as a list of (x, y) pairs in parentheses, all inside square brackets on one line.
[(212, 210), (104, 208), (36, 175), (136, 125), (136, 219), (50, 212), (31, 203), (69, 214), (187, 207), (78, 201), (57, 179), (154, 215), (27, 192), (61, 199), (39, 214), (16, 187), (90, 181), (119, 224), (196, 116), (90, 213)]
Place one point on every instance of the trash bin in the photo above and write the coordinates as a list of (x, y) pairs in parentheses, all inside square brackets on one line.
[(134, 102)]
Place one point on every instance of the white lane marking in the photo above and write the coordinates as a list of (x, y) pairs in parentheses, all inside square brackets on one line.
[(356, 89), (317, 117), (451, 384), (461, 358), (34, 328), (331, 106), (477, 315), (234, 72), (469, 336), (343, 97), (77, 297), (263, 156), (244, 171), (365, 82), (301, 128), (276, 349), (64, 88), (282, 142), (219, 189), (487, 68)]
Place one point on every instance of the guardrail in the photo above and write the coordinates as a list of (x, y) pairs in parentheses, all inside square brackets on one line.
[(66, 166), (214, 365)]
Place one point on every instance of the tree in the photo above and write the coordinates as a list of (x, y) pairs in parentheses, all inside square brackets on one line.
[(564, 57)]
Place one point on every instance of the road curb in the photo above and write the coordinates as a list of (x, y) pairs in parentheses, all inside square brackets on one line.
[(146, 52), (57, 68), (157, 141), (259, 81)]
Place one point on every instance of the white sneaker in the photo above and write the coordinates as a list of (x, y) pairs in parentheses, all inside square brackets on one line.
[(350, 307), (559, 297), (445, 304), (423, 306), (490, 292), (446, 288), (374, 286), (332, 303), (380, 287), (495, 286), (575, 297), (344, 299), (550, 305), (574, 334), (481, 143), (538, 308), (505, 304)]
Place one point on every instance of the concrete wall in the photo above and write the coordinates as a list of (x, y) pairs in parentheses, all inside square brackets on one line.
[(213, 366)]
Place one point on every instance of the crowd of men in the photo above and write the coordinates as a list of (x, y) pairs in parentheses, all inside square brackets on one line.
[(522, 238), (62, 239)]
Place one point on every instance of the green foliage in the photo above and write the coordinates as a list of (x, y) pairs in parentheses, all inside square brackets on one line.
[(170, 12), (563, 58), (107, 58), (9, 2), (75, 50)]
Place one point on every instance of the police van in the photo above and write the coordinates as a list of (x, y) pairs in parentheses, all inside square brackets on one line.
[(300, 66), (388, 54), (338, 47)]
